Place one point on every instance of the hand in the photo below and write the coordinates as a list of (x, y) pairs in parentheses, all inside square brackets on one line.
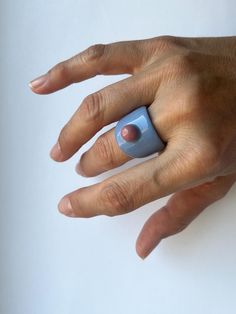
[(190, 86)]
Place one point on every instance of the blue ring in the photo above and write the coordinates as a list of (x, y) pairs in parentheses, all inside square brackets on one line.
[(148, 142)]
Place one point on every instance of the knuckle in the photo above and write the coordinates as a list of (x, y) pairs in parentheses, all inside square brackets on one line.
[(114, 197), (182, 63), (94, 53), (164, 43), (159, 45), (92, 107), (61, 71), (158, 179), (204, 159), (208, 157), (103, 149)]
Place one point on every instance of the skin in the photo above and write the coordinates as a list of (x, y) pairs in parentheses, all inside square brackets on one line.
[(189, 87)]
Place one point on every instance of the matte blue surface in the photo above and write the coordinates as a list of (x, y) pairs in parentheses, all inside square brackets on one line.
[(148, 143)]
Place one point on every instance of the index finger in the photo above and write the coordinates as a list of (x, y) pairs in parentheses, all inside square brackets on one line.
[(115, 58)]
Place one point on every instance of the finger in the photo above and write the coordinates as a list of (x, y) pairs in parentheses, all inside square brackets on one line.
[(114, 58), (179, 211), (105, 154), (141, 184), (102, 108)]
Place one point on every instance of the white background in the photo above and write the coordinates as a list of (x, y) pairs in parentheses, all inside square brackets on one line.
[(51, 264)]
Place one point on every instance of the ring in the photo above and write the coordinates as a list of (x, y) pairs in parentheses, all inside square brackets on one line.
[(136, 135)]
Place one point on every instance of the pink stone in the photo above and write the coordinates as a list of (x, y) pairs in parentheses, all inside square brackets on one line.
[(130, 133)]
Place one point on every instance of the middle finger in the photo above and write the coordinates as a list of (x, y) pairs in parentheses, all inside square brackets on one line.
[(102, 108)]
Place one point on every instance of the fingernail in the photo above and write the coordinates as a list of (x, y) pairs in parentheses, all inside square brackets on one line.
[(79, 170), (142, 257), (142, 251), (38, 82), (65, 207), (56, 152)]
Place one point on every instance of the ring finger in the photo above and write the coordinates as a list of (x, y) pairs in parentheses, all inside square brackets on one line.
[(105, 154)]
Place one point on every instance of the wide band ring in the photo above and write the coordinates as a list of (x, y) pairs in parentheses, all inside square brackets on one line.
[(136, 135)]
